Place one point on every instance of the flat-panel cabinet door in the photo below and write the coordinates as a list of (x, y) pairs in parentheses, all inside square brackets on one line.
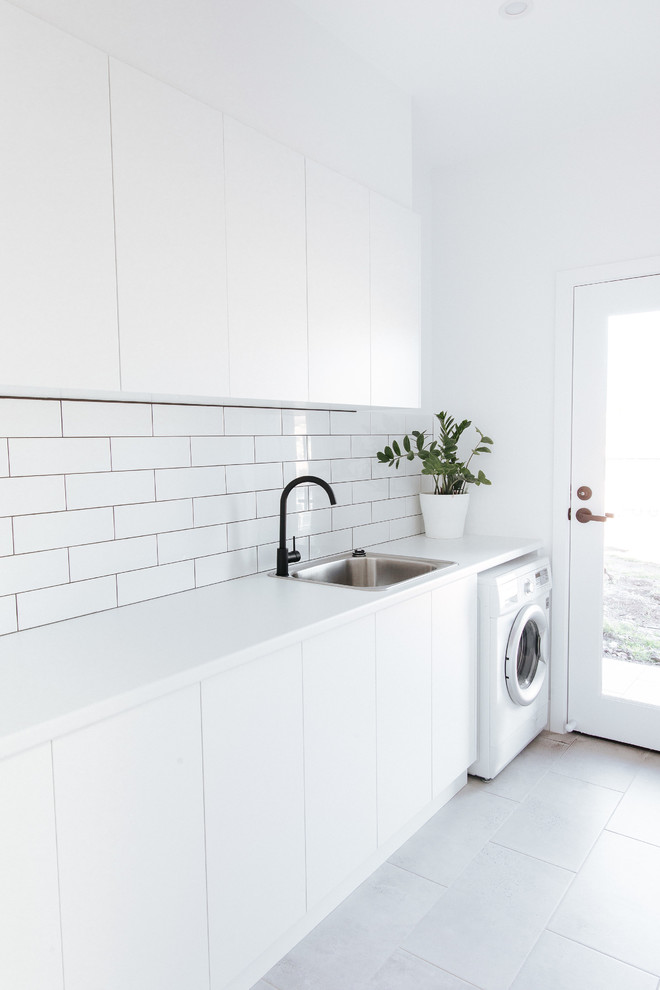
[(454, 681), (255, 814), (338, 287), (57, 269), (403, 649), (266, 266), (130, 831), (340, 754), (171, 262), (30, 944), (395, 304)]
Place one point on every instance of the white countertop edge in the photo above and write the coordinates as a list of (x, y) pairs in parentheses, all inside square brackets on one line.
[(80, 693)]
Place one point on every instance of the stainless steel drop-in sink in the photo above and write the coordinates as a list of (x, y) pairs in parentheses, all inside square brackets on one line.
[(369, 572)]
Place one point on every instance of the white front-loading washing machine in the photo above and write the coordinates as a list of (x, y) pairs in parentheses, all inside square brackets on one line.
[(514, 635)]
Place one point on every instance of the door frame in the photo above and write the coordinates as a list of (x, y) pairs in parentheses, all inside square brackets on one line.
[(567, 282)]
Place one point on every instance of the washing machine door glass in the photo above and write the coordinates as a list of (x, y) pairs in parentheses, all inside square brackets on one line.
[(526, 664)]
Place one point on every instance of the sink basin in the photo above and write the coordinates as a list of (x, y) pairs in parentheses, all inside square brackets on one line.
[(371, 572)]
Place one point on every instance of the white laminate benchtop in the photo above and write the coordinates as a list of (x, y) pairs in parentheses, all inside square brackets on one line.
[(58, 678)]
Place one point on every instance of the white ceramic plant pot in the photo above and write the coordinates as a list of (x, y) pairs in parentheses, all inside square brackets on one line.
[(444, 515)]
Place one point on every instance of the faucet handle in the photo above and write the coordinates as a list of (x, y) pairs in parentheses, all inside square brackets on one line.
[(294, 555)]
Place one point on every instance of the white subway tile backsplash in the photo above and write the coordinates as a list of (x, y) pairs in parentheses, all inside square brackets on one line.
[(346, 516), (20, 496), (246, 421), (364, 536), (225, 566), (406, 485), (6, 537), (379, 470), (222, 450), (224, 508), (351, 469), (30, 418), (37, 608), (138, 453), (327, 544), (8, 619), (188, 421), (350, 422), (328, 447), (85, 491), (191, 543), (154, 582), (190, 482), (252, 532), (308, 422), (99, 559), (371, 491), (23, 572), (195, 503), (281, 448), (253, 477), (408, 526), (106, 419), (152, 517), (58, 456), (50, 530)]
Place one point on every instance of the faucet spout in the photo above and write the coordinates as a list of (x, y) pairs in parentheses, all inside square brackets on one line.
[(284, 555)]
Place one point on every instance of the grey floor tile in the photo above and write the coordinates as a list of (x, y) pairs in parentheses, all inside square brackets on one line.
[(600, 761), (638, 814), (405, 972), (488, 921), (443, 847), (559, 820), (557, 963), (523, 773), (349, 947), (562, 737), (613, 904)]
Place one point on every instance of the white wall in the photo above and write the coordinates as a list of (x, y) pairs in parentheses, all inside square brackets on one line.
[(503, 229), (268, 65)]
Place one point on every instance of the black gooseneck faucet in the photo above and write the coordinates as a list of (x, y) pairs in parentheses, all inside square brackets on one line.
[(284, 555)]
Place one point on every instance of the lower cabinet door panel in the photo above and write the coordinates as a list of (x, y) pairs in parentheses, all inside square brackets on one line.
[(130, 830), (454, 680), (340, 754), (255, 816), (30, 945), (403, 674)]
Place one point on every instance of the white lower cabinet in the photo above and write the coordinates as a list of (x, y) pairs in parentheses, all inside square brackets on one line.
[(255, 816), (454, 680), (403, 650), (30, 945), (130, 832), (340, 754)]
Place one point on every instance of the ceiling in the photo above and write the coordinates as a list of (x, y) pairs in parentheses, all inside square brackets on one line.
[(481, 83)]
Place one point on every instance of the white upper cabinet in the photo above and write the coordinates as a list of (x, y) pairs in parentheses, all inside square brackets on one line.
[(266, 267), (30, 944), (395, 304), (338, 287), (130, 837), (171, 263), (57, 305)]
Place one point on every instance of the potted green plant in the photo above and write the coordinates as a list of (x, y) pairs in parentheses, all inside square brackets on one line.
[(444, 518)]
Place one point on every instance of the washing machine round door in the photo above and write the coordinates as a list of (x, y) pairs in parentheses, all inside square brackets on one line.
[(526, 666)]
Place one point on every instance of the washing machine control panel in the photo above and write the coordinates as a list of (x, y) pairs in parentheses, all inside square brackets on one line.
[(518, 589)]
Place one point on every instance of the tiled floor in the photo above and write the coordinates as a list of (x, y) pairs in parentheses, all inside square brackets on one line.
[(546, 878)]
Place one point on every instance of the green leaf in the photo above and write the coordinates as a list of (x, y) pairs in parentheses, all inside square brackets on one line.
[(382, 457), (406, 443), (397, 449), (389, 453)]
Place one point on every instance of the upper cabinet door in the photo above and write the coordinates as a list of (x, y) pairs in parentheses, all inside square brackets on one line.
[(266, 268), (338, 287), (395, 304), (171, 281), (57, 305)]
